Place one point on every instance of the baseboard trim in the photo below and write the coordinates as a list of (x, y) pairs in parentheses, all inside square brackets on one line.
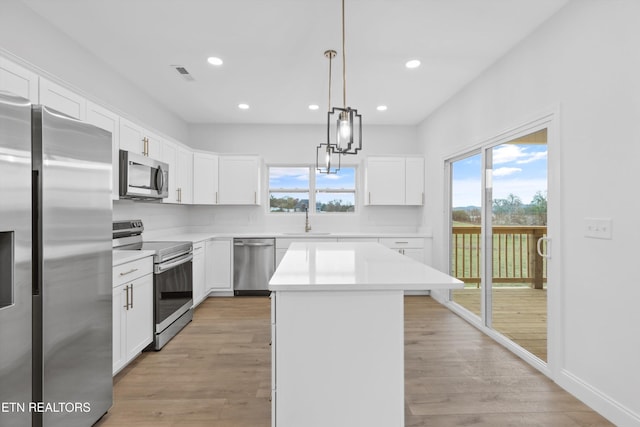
[(600, 402)]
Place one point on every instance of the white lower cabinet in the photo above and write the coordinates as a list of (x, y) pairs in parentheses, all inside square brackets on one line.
[(132, 310), (410, 246), (219, 265), (199, 272)]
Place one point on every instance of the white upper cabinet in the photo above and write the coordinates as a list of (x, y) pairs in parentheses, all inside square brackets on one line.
[(136, 139), (394, 180), (414, 181), (384, 181), (19, 81), (185, 175), (170, 157), (62, 99), (239, 180), (205, 179), (180, 161), (109, 121)]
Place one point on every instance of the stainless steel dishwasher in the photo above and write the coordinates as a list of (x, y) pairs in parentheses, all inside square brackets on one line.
[(254, 261)]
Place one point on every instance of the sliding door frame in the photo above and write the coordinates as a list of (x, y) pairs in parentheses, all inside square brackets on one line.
[(548, 120)]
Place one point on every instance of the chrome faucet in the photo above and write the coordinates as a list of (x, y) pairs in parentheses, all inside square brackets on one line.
[(307, 227)]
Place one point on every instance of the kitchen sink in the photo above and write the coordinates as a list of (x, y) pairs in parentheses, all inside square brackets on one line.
[(307, 234)]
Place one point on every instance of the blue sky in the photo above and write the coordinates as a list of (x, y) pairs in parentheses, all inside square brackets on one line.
[(520, 169), (298, 178)]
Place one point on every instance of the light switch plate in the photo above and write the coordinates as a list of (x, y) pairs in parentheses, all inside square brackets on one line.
[(598, 228)]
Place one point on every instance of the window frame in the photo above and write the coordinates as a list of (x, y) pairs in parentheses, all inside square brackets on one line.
[(312, 190)]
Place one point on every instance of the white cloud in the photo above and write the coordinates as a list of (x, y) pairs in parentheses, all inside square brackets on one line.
[(533, 157), (505, 171), (507, 153), (516, 153)]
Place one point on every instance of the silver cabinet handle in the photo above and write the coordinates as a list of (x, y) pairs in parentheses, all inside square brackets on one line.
[(402, 243), (216, 197), (133, 270), (126, 305), (255, 197), (131, 302), (369, 197), (423, 198)]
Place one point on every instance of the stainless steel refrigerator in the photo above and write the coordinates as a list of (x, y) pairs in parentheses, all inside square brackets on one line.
[(55, 268)]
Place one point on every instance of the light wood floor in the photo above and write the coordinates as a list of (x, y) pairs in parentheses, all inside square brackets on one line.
[(520, 314), (216, 373)]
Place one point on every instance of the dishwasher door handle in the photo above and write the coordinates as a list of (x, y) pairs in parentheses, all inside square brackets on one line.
[(258, 244)]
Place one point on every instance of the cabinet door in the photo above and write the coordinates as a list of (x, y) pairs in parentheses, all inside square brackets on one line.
[(170, 157), (220, 260), (131, 137), (62, 100), (205, 179), (140, 315), (119, 322), (414, 181), (154, 145), (199, 273), (417, 254), (384, 181), (239, 180), (185, 176), (109, 121), (19, 81)]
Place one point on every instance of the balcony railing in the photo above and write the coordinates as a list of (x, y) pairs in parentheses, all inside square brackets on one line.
[(515, 257)]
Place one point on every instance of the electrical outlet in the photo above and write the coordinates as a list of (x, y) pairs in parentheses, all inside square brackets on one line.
[(598, 228)]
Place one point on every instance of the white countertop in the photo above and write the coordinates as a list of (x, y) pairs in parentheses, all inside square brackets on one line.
[(191, 236), (354, 266), (125, 256)]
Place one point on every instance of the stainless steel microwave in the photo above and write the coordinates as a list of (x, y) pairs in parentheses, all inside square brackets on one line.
[(142, 178)]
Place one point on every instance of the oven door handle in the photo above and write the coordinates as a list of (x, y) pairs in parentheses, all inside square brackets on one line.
[(178, 261)]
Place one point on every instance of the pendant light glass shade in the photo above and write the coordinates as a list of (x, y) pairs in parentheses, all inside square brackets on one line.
[(326, 160), (345, 125)]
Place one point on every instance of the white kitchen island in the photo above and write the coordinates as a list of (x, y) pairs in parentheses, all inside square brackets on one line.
[(337, 315)]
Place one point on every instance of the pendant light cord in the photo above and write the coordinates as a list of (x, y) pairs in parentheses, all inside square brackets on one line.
[(330, 56), (344, 64)]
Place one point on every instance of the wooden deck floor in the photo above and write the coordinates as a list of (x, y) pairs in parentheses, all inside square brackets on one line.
[(216, 373), (520, 314)]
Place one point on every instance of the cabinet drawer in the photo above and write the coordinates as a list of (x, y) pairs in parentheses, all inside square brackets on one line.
[(132, 270), (402, 242)]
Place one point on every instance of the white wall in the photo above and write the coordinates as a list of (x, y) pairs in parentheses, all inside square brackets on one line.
[(295, 144), (584, 61), (33, 42)]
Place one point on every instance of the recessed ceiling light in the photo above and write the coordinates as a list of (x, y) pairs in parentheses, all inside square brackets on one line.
[(414, 63), (214, 60), (313, 107), (243, 106), (381, 108)]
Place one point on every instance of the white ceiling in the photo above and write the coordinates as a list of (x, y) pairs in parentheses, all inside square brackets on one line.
[(273, 51)]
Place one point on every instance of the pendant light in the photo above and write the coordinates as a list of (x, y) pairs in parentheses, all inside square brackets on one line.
[(325, 151), (345, 124)]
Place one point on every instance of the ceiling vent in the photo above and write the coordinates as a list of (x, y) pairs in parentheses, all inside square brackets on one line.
[(183, 72)]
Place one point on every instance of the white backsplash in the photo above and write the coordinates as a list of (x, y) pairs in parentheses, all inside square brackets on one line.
[(230, 219)]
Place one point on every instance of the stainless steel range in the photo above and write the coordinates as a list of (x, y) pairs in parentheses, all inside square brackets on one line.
[(172, 278)]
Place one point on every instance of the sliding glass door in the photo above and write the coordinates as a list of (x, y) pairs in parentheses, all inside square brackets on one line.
[(465, 243), (498, 227)]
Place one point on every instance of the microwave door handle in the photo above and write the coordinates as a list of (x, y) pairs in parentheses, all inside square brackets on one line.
[(160, 179)]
